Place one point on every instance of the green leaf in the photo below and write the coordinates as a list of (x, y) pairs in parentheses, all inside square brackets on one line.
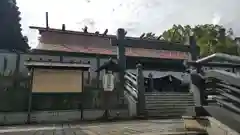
[(210, 38)]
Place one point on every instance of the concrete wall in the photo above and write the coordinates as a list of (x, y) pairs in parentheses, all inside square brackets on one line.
[(217, 128), (13, 118), (209, 125), (57, 116)]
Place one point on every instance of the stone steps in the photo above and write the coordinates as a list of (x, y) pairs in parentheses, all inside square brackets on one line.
[(167, 104)]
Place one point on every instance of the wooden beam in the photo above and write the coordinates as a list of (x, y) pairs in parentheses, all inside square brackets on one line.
[(47, 25), (221, 56), (31, 71), (214, 64), (152, 44)]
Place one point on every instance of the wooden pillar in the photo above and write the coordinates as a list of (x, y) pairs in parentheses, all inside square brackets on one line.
[(61, 58), (121, 57), (233, 70), (98, 73), (47, 26), (151, 85), (193, 49), (89, 79), (141, 90), (198, 88), (82, 106), (30, 96)]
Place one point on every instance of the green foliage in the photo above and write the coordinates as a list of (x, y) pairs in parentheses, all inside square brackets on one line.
[(177, 33), (10, 29), (210, 38)]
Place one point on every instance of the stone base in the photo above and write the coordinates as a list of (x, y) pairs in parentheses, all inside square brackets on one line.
[(59, 116), (196, 111), (207, 124), (195, 123)]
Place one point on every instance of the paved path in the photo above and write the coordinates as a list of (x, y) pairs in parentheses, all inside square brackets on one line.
[(143, 127)]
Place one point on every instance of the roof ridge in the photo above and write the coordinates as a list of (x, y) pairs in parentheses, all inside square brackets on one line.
[(42, 29)]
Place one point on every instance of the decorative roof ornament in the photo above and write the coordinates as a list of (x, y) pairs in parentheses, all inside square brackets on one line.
[(159, 37), (63, 27), (105, 32), (85, 29), (125, 33), (97, 33), (142, 36)]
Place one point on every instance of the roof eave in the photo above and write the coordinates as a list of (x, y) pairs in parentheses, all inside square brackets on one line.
[(43, 29), (56, 65)]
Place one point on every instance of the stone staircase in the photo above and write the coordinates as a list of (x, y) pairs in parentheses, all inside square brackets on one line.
[(167, 104)]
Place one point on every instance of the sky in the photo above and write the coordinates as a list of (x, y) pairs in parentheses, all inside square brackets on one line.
[(136, 16)]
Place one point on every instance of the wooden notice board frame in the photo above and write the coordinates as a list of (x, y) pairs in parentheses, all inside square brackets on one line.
[(52, 66)]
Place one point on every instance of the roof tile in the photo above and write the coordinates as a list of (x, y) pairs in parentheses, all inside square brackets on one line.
[(135, 52)]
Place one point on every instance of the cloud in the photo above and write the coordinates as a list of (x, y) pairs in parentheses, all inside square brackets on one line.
[(137, 16), (216, 19)]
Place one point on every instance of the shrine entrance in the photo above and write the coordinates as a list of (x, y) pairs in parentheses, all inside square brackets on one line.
[(167, 83)]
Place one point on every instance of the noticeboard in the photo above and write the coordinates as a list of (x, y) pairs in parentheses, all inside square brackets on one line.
[(56, 81)]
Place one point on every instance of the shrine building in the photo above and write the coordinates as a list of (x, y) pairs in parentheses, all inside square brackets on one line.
[(96, 49)]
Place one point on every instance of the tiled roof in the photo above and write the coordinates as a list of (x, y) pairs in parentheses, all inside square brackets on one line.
[(134, 52), (142, 48)]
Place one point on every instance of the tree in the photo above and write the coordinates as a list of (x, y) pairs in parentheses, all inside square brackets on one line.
[(177, 33), (210, 38), (10, 29)]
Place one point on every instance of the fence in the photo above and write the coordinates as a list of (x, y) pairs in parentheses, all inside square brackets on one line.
[(14, 87), (222, 86)]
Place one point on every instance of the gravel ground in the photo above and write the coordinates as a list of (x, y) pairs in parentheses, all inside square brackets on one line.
[(142, 127)]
